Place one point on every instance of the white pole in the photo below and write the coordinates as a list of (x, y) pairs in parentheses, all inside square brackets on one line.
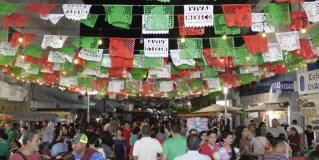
[(225, 93), (88, 110)]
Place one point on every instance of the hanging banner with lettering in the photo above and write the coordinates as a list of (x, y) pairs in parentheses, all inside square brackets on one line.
[(248, 69), (177, 60), (283, 86), (54, 18), (54, 41), (274, 53), (76, 11), (156, 47), (166, 86), (198, 15), (288, 41), (55, 57), (88, 55), (20, 62), (7, 49), (115, 86), (68, 81), (308, 82)]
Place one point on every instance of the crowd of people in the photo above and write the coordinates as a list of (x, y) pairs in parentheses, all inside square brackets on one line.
[(145, 140)]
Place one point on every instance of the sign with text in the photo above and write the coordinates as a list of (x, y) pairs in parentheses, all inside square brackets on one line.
[(308, 82), (283, 86)]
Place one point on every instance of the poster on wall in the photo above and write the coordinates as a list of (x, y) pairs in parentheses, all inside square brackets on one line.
[(200, 124)]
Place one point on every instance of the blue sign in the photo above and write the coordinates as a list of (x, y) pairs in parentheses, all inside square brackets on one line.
[(283, 86)]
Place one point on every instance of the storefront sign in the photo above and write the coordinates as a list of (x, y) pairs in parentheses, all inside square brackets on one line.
[(283, 86), (308, 82)]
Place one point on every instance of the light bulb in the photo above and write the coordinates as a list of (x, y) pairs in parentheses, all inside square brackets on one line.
[(20, 39), (264, 34), (248, 58), (100, 42), (76, 61), (183, 40), (303, 30), (224, 37)]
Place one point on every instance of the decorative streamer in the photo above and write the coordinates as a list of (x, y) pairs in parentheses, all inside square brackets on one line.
[(278, 13), (119, 15), (256, 43), (191, 48), (288, 41), (42, 8), (222, 47), (220, 26), (159, 17), (76, 11), (183, 31), (156, 47), (198, 15), (237, 14), (122, 47), (260, 23), (311, 9)]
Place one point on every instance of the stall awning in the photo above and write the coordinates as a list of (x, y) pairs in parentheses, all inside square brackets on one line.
[(210, 111), (274, 106)]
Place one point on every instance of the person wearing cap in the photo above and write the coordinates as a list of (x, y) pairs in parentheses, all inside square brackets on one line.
[(81, 151)]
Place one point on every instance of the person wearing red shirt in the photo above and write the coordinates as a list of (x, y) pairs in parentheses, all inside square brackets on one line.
[(210, 147), (29, 149)]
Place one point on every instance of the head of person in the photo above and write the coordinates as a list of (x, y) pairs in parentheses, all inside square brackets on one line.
[(79, 143), (294, 132), (7, 126), (136, 130), (203, 136), (274, 123), (31, 140), (193, 142), (227, 138), (146, 130), (126, 126), (176, 128), (119, 133), (154, 132), (252, 128), (262, 125), (258, 132), (192, 132), (45, 123), (309, 128), (279, 145), (77, 128), (294, 122), (95, 142), (65, 130), (212, 137), (24, 130)]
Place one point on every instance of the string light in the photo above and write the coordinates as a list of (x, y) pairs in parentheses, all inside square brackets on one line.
[(264, 34), (224, 37), (20, 39), (183, 40), (100, 42), (76, 61), (303, 30)]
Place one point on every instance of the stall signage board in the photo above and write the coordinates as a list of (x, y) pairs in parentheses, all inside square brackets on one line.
[(283, 86), (308, 82)]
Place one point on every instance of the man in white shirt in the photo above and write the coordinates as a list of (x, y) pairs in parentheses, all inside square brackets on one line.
[(146, 148), (276, 129), (193, 145), (47, 134)]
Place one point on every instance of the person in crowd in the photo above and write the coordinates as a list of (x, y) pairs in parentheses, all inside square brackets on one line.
[(24, 130), (210, 147), (30, 148), (294, 141), (227, 151), (242, 140), (107, 125), (95, 143), (77, 129), (161, 134), (133, 139), (203, 136), (11, 132), (184, 128), (260, 144), (310, 136), (294, 124), (59, 147), (146, 148), (47, 135), (81, 151), (192, 132), (193, 145), (252, 131), (120, 146), (276, 129), (280, 148), (107, 144), (263, 128), (127, 134), (4, 146), (174, 146)]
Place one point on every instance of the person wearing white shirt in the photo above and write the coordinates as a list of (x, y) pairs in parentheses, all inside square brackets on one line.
[(276, 129), (146, 148), (47, 134), (193, 145)]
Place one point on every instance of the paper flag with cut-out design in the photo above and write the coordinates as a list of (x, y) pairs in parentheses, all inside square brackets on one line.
[(166, 86), (237, 14), (27, 38), (33, 69), (191, 48), (274, 53), (183, 31), (147, 31), (159, 17), (55, 57), (133, 86), (122, 47), (248, 69), (54, 18), (115, 86), (106, 60), (198, 15), (164, 72), (311, 9), (17, 19), (8, 8), (288, 41), (178, 61), (85, 82), (213, 83), (87, 42), (260, 23), (54, 41), (299, 20), (33, 50), (67, 53), (68, 81), (210, 72), (42, 8), (216, 61), (5, 60), (119, 15), (278, 13), (94, 55), (222, 47), (90, 21), (220, 26), (141, 61), (7, 49), (256, 43), (248, 78), (76, 11), (139, 73)]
